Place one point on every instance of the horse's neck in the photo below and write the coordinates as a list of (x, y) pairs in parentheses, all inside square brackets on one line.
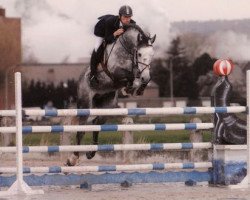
[(120, 53), (130, 38)]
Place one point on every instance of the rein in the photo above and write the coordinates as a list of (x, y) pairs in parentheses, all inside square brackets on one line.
[(105, 64)]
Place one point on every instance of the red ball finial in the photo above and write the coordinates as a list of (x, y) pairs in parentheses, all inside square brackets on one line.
[(223, 67)]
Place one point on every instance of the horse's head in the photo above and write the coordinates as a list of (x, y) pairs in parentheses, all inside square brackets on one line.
[(142, 56), (145, 53)]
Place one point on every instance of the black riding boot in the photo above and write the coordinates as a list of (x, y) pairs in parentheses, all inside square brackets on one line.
[(94, 61)]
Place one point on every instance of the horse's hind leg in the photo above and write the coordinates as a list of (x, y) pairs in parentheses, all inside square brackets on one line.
[(72, 160), (99, 121), (91, 154)]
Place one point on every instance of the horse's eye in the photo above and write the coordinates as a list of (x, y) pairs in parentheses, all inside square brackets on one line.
[(139, 54)]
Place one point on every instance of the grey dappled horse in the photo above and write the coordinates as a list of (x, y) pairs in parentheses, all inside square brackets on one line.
[(128, 66)]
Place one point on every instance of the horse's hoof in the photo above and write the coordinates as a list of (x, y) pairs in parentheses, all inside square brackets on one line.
[(90, 154), (72, 160), (68, 163)]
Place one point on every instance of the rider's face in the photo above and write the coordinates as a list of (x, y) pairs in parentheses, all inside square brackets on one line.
[(125, 19)]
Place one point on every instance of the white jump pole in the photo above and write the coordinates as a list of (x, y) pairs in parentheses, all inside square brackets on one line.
[(19, 186)]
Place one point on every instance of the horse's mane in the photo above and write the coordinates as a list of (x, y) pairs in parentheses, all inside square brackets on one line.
[(138, 28)]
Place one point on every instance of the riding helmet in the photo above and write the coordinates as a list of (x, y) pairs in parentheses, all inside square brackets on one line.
[(126, 11)]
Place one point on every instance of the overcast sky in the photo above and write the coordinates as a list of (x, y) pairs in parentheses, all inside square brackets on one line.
[(56, 30)]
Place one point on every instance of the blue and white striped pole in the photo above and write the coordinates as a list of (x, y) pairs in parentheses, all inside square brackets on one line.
[(126, 111), (109, 127), (109, 168), (135, 111), (110, 147)]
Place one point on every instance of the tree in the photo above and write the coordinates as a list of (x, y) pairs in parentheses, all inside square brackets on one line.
[(175, 62), (160, 75), (183, 78), (202, 65), (39, 94), (194, 43)]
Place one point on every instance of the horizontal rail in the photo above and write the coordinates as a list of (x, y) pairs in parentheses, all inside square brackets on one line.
[(7, 113), (125, 111), (115, 147), (108, 168), (109, 127)]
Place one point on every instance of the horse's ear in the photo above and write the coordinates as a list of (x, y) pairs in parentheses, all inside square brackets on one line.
[(152, 40)]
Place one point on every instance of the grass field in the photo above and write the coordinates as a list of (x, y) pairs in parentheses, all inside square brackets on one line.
[(139, 137), (116, 137)]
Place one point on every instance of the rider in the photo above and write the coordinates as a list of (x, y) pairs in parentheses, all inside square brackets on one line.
[(108, 28)]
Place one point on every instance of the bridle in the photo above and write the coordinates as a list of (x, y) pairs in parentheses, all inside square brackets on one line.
[(134, 56)]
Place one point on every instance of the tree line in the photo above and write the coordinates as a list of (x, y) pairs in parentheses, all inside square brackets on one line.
[(39, 94), (192, 79), (185, 74)]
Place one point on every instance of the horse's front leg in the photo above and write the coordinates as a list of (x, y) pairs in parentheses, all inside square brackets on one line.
[(96, 121)]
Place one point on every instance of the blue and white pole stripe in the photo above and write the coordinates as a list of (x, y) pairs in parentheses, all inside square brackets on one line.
[(125, 111), (114, 147), (109, 127), (109, 168)]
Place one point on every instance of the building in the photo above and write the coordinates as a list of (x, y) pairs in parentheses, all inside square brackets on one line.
[(52, 73), (10, 52)]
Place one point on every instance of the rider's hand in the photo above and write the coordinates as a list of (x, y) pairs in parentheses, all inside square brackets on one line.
[(118, 32)]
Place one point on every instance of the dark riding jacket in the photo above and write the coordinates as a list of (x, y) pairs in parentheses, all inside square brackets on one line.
[(106, 26)]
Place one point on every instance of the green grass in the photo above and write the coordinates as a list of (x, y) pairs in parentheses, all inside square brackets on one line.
[(37, 139), (116, 138)]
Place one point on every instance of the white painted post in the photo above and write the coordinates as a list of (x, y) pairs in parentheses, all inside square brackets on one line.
[(128, 138), (196, 136), (19, 186), (246, 181)]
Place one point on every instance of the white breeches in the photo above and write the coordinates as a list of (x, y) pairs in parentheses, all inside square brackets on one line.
[(98, 42)]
